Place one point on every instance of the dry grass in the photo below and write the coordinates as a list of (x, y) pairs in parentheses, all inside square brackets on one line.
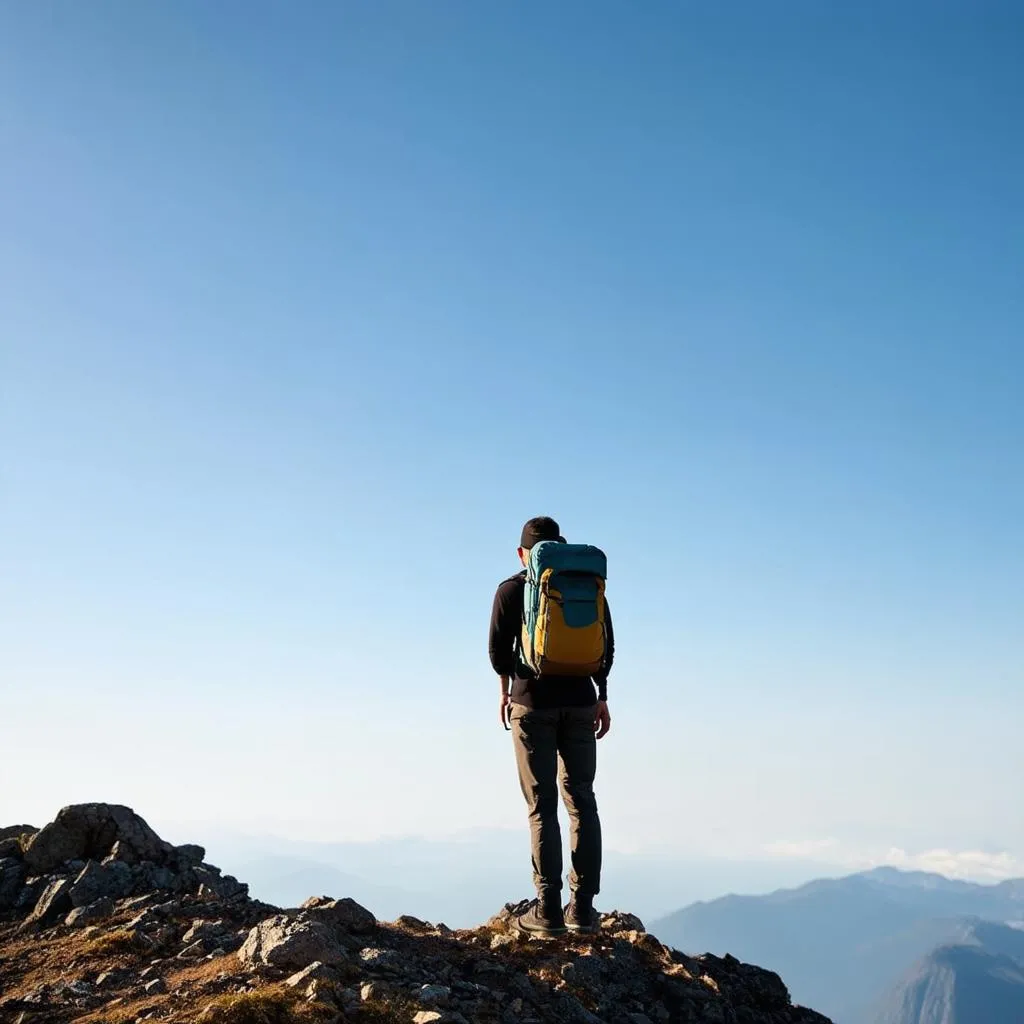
[(389, 1010), (273, 1005), (123, 940)]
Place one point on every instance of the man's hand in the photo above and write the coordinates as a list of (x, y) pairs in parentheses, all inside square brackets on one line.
[(505, 710), (602, 719)]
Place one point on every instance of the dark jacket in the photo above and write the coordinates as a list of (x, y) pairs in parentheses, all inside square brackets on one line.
[(527, 689)]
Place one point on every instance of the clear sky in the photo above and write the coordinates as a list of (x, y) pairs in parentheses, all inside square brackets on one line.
[(305, 308)]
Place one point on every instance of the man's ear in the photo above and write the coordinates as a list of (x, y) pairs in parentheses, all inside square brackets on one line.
[(519, 552)]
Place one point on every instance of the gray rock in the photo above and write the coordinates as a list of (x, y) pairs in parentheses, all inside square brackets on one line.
[(94, 831), (155, 987), (414, 924), (123, 852), (12, 878), (207, 931), (212, 882), (146, 921), (279, 941), (190, 853), (133, 904), (345, 914), (195, 951), (98, 910), (427, 1017), (434, 995), (148, 876), (617, 921), (379, 958), (571, 1009), (53, 904), (585, 972), (164, 935), (370, 991), (95, 880), (323, 990), (316, 971), (10, 848), (28, 895), (116, 978), (76, 990)]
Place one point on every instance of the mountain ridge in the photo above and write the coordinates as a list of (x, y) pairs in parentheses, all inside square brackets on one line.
[(978, 979), (841, 943)]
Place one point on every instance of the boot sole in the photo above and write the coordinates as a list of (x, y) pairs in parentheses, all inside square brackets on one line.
[(546, 933)]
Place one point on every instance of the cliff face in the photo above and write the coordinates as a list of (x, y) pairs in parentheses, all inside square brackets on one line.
[(102, 921)]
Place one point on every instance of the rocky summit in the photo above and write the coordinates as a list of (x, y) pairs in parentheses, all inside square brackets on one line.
[(101, 921)]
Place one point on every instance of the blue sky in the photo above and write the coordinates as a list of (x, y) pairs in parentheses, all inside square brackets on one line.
[(304, 311)]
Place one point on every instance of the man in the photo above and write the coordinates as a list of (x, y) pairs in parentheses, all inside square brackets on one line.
[(555, 723)]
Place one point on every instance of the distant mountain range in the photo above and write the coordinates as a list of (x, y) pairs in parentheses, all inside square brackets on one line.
[(883, 947)]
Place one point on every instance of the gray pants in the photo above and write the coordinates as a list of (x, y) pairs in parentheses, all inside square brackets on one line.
[(555, 747)]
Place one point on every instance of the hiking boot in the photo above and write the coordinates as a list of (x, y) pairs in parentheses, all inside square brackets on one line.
[(580, 915), (543, 919)]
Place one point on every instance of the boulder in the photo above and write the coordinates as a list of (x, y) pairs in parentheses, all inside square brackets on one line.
[(98, 910), (28, 895), (96, 880), (91, 832), (10, 848), (281, 942), (12, 878), (53, 904), (15, 831), (345, 914)]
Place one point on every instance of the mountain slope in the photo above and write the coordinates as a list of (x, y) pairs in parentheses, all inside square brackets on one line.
[(103, 922), (965, 984), (842, 943)]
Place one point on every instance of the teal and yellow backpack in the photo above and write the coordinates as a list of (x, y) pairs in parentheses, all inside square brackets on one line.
[(563, 609)]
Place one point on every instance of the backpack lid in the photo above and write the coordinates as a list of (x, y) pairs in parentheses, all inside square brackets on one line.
[(561, 557)]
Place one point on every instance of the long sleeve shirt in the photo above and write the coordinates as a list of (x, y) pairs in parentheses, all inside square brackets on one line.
[(527, 689)]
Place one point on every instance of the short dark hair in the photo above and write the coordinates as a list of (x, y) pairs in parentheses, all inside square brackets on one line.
[(540, 528)]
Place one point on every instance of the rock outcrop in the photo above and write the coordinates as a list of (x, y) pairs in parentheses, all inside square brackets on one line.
[(102, 921)]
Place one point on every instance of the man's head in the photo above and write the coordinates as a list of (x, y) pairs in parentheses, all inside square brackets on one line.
[(534, 531)]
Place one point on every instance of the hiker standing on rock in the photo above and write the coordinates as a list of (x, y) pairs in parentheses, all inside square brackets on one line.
[(550, 642)]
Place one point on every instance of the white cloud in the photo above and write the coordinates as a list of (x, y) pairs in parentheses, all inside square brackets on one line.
[(803, 849), (970, 864), (975, 865)]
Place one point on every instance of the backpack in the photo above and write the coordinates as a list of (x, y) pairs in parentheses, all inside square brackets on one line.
[(563, 609)]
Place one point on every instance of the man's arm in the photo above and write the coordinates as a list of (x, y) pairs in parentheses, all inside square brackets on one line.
[(505, 618), (601, 678)]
